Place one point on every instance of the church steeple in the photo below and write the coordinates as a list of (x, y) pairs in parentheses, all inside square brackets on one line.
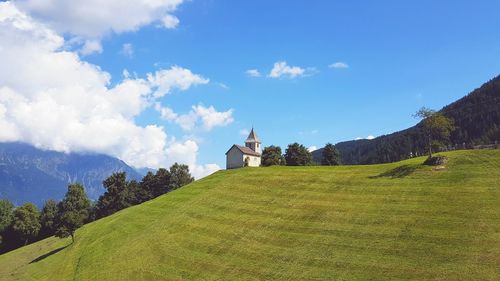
[(253, 142)]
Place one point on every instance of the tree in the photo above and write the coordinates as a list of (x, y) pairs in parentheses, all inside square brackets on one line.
[(118, 195), (48, 219), (154, 185), (26, 222), (73, 211), (146, 188), (161, 182), (6, 216), (435, 126), (179, 176), (297, 155), (330, 155), (272, 155)]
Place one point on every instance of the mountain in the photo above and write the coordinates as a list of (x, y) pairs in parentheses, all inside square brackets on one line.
[(477, 121), (392, 221), (28, 174)]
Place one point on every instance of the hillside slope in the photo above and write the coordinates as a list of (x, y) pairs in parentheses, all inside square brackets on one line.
[(390, 221), (28, 174), (477, 121)]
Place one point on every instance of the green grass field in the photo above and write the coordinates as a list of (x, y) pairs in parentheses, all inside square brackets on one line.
[(377, 222)]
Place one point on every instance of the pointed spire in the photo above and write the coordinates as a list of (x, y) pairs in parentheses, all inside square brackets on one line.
[(252, 137)]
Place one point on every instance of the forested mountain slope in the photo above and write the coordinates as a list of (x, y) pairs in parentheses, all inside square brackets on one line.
[(477, 121)]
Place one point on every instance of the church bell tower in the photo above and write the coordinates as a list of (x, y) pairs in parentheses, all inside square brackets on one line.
[(253, 142)]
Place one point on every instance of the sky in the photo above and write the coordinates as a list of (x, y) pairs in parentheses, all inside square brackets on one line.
[(164, 81)]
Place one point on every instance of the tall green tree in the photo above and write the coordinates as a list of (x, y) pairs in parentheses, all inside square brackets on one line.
[(146, 188), (330, 155), (161, 182), (272, 155), (48, 219), (26, 222), (179, 176), (73, 211), (297, 155), (6, 216), (435, 126), (154, 185), (118, 195)]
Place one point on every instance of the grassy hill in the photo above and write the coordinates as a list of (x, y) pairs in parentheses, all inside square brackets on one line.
[(389, 221)]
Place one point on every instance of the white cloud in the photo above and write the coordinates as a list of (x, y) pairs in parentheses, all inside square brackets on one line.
[(370, 137), (52, 99), (282, 69), (170, 21), (213, 118), (253, 73), (185, 152), (96, 18), (91, 47), (200, 171), (244, 132), (223, 86), (339, 65), (206, 117), (127, 50), (166, 113), (125, 74), (174, 78), (312, 132), (312, 148), (187, 121), (87, 23)]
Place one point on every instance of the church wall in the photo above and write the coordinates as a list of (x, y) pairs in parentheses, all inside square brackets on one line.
[(234, 159), (254, 161)]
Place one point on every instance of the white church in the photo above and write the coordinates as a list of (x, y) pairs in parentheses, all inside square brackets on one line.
[(245, 156)]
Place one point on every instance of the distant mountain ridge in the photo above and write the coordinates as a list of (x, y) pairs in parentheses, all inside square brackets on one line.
[(477, 121), (28, 174)]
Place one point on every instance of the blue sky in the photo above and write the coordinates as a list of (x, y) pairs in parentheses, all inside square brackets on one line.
[(398, 56)]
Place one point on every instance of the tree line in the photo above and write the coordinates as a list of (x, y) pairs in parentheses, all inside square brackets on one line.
[(26, 224), (433, 132), (476, 121), (297, 155)]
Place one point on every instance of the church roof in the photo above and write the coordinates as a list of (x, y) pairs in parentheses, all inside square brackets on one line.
[(252, 137), (245, 150)]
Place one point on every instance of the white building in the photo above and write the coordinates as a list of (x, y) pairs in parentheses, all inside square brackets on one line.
[(242, 156)]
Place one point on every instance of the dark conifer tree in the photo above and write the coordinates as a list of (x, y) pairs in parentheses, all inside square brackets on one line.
[(297, 155), (330, 155), (48, 219)]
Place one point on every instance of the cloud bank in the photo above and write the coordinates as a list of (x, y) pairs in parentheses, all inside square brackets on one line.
[(52, 99), (89, 22), (200, 116)]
